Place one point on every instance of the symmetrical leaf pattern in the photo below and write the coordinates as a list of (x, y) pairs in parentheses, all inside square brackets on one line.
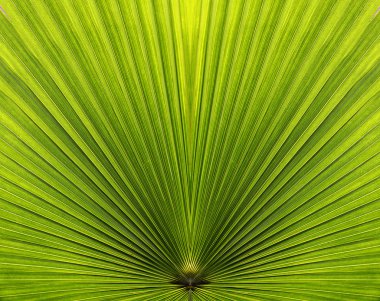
[(189, 150)]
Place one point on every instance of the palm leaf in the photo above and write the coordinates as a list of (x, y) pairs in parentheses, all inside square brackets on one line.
[(189, 150)]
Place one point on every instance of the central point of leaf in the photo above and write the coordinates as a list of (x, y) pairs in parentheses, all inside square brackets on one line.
[(190, 276), (190, 281)]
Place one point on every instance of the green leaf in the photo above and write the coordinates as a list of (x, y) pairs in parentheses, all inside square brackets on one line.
[(189, 150)]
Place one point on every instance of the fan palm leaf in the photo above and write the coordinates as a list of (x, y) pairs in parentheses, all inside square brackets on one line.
[(189, 150)]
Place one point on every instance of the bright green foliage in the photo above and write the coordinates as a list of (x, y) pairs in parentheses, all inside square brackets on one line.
[(144, 141)]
